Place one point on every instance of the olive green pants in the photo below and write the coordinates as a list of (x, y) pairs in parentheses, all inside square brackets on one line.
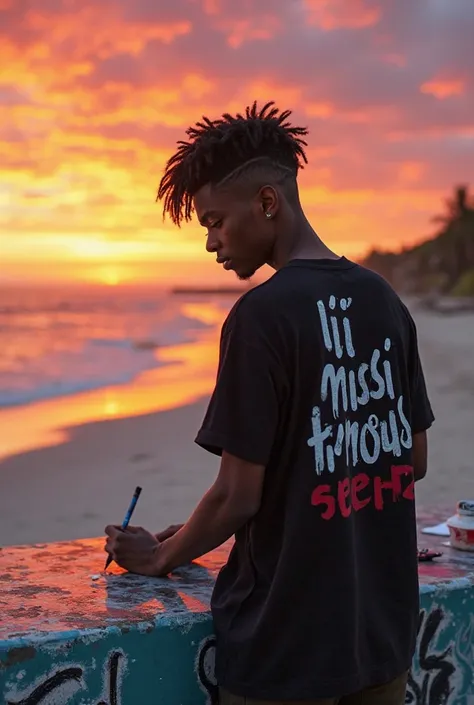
[(392, 693)]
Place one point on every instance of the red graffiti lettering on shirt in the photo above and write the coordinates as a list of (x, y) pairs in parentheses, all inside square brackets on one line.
[(355, 493)]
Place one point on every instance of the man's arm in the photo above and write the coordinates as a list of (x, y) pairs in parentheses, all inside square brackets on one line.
[(241, 425), (232, 500), (422, 416), (168, 532), (420, 455)]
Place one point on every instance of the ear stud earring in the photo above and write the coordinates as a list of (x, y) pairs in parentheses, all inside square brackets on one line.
[(269, 215)]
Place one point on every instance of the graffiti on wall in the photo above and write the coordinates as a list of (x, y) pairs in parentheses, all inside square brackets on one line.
[(63, 683), (442, 671), (204, 668), (442, 668)]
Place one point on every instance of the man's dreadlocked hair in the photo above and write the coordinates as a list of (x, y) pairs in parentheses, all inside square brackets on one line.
[(218, 147)]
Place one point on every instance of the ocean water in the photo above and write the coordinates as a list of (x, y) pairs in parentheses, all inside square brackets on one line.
[(58, 342)]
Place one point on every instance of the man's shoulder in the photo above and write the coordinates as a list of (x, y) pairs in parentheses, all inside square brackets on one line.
[(367, 276), (285, 295), (376, 286), (257, 303), (386, 303)]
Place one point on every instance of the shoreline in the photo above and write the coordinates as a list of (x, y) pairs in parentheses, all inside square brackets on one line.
[(185, 373)]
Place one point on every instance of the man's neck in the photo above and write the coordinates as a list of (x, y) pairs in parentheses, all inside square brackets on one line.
[(302, 243)]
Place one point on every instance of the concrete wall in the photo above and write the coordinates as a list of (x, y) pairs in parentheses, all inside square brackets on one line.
[(168, 666), (127, 640)]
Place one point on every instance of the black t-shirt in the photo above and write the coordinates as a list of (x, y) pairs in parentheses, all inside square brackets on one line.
[(319, 380)]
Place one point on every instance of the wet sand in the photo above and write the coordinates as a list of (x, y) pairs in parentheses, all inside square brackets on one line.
[(73, 489)]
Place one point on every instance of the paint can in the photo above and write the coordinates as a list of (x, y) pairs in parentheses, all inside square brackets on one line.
[(461, 526)]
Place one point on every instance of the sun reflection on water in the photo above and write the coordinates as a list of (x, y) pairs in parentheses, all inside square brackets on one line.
[(187, 373)]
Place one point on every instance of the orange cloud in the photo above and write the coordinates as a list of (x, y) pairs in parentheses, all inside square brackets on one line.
[(320, 110), (443, 88), (212, 7), (111, 35), (411, 172), (339, 14), (240, 31)]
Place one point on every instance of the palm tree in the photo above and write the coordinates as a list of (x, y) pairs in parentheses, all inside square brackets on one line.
[(457, 207), (440, 261), (454, 244)]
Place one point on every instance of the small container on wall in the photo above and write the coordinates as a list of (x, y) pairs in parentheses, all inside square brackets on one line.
[(461, 526)]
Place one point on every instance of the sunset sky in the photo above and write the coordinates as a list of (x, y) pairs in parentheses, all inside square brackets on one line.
[(95, 93)]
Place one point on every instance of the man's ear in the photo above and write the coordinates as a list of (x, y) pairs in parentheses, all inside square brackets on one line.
[(268, 198)]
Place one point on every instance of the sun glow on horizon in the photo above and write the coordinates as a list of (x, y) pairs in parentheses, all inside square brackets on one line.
[(111, 277)]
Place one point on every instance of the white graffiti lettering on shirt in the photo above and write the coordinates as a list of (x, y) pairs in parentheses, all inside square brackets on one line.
[(350, 388)]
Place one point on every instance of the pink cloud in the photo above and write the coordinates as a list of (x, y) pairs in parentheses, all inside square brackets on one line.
[(444, 87), (250, 29), (343, 14)]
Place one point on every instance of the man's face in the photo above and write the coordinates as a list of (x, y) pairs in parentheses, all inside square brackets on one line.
[(237, 229)]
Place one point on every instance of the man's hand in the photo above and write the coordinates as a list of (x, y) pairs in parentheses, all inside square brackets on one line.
[(134, 549), (230, 503)]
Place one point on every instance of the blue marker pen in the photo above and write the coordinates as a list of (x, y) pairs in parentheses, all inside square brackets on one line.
[(126, 521)]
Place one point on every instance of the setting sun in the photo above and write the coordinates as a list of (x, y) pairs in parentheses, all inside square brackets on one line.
[(111, 277)]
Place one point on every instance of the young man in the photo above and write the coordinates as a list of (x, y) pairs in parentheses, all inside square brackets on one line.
[(320, 414)]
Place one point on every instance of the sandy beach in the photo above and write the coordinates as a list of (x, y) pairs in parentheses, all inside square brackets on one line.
[(85, 474)]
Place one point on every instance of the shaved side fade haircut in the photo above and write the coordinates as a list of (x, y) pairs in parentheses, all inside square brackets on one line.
[(227, 148)]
